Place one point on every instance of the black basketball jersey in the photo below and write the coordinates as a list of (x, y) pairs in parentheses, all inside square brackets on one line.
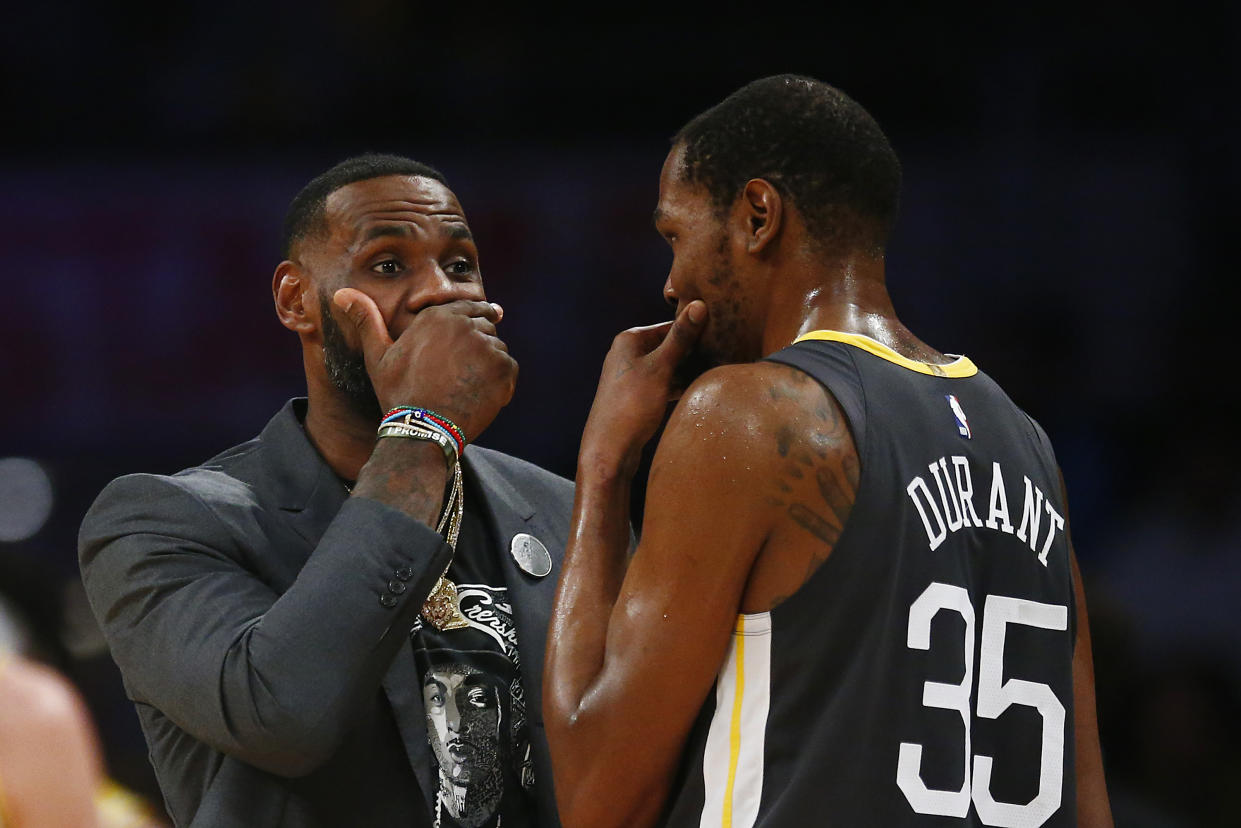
[(922, 676)]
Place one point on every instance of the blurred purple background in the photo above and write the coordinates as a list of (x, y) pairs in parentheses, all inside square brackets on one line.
[(1069, 221)]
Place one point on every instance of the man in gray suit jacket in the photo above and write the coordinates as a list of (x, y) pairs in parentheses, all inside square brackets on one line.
[(278, 613)]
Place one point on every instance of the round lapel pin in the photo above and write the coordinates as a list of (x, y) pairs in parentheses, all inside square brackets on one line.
[(531, 555)]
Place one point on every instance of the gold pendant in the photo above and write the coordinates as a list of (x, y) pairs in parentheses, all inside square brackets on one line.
[(442, 609)]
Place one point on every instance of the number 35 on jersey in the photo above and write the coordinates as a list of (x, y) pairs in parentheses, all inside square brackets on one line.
[(994, 697)]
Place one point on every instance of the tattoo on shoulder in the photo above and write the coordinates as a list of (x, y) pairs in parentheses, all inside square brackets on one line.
[(789, 385), (784, 439), (826, 449)]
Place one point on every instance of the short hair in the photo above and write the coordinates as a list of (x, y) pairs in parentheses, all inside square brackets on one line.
[(814, 143), (305, 215)]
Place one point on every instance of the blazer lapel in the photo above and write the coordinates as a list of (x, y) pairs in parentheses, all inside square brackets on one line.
[(511, 514), (305, 490)]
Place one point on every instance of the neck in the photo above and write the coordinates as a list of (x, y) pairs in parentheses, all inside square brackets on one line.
[(344, 437), (846, 294)]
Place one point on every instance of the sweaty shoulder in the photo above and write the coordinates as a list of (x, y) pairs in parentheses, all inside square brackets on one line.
[(767, 444), (766, 400), (764, 425)]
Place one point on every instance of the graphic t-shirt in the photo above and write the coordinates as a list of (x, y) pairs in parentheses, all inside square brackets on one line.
[(473, 697)]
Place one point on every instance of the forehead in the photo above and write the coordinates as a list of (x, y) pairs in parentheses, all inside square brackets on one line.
[(408, 199)]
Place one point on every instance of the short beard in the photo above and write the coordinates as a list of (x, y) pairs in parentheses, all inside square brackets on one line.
[(694, 364), (346, 367), (720, 343)]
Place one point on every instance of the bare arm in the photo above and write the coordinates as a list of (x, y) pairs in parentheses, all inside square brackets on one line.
[(1093, 808), (594, 568), (633, 651)]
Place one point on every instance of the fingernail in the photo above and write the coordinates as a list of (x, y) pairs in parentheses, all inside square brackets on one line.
[(696, 312), (499, 310)]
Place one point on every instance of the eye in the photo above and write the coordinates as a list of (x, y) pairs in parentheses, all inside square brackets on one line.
[(461, 267), (435, 696), (387, 267)]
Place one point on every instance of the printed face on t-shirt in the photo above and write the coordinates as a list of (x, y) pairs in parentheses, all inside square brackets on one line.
[(463, 713)]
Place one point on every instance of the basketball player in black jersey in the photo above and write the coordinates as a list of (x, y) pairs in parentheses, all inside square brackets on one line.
[(854, 601)]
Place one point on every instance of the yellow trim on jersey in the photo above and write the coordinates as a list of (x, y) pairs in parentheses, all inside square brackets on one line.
[(962, 367), (734, 732), (733, 760)]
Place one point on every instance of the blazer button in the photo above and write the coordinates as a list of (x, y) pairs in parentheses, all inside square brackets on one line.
[(404, 573), (387, 600), (396, 587)]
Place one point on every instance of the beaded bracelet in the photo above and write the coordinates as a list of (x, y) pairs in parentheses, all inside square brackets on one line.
[(407, 413), (451, 434), (413, 415)]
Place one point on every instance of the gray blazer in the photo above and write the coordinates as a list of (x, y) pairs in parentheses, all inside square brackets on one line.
[(241, 601)]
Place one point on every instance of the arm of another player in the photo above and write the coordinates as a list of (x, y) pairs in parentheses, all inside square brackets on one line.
[(50, 761), (633, 653)]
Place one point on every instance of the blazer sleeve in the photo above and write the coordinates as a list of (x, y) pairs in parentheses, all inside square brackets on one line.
[(268, 678)]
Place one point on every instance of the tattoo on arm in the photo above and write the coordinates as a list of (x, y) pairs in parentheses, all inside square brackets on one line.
[(395, 476), (815, 525)]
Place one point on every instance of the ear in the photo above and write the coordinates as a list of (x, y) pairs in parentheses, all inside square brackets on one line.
[(762, 214), (296, 306)]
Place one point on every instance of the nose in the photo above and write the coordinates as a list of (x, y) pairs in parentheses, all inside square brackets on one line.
[(452, 716), (437, 288), (670, 295)]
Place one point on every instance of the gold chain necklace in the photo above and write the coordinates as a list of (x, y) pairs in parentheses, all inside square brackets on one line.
[(442, 608)]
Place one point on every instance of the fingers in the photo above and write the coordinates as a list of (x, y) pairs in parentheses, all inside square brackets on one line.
[(362, 312), (484, 310), (484, 316), (683, 333), (488, 328), (643, 339)]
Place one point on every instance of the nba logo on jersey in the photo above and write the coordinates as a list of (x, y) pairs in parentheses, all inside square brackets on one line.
[(963, 424)]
